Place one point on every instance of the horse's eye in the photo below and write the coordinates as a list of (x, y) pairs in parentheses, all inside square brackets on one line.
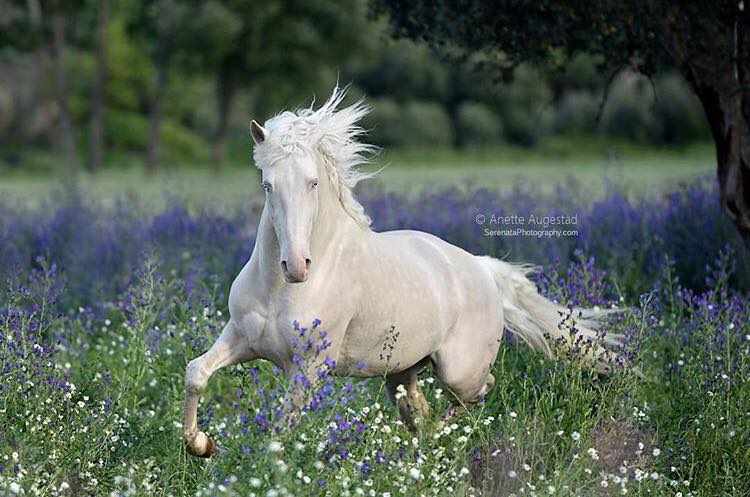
[(314, 183), (267, 187)]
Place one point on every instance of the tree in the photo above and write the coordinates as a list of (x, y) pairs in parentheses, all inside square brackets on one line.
[(707, 42), (98, 95), (189, 34), (27, 27), (281, 41)]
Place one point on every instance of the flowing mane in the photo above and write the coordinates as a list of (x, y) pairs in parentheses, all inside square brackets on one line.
[(331, 134)]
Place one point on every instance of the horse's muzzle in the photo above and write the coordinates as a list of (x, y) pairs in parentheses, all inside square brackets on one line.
[(297, 272)]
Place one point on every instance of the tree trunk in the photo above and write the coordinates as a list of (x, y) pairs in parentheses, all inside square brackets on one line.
[(225, 91), (729, 128), (717, 74), (154, 138), (67, 136), (100, 88), (727, 114)]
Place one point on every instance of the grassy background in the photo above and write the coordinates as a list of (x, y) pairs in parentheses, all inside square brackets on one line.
[(584, 165)]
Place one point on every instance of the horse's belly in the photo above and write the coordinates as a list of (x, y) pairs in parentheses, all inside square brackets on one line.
[(395, 330)]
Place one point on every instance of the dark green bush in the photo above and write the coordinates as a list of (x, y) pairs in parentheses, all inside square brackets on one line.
[(129, 131), (663, 112), (383, 123), (678, 113), (404, 71), (628, 112), (576, 113), (523, 127), (414, 124), (477, 125), (523, 106)]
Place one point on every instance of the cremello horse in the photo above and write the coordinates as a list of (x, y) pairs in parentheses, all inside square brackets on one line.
[(315, 256)]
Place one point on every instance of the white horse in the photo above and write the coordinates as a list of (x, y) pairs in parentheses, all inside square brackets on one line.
[(315, 256)]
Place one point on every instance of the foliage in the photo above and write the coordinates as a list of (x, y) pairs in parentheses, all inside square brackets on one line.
[(619, 34), (244, 53), (477, 125), (412, 125), (127, 131), (707, 44)]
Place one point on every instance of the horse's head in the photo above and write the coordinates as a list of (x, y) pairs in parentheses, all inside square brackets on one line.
[(294, 151), (291, 185)]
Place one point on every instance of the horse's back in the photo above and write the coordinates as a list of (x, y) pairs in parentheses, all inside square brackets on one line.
[(434, 250), (453, 280)]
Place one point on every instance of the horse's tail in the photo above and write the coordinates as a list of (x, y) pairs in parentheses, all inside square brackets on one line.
[(542, 323)]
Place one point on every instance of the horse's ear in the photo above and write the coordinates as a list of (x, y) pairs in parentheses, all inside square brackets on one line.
[(259, 132)]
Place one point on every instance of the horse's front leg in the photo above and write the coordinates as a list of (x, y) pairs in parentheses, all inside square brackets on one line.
[(232, 347)]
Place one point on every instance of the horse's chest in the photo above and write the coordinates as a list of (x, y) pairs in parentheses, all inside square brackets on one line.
[(292, 313)]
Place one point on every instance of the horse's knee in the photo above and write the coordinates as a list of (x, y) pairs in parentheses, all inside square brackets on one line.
[(196, 378), (466, 387)]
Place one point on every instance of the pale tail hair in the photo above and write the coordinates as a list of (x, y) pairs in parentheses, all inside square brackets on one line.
[(541, 323)]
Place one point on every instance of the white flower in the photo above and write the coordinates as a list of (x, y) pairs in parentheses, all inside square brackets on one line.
[(255, 482), (14, 487), (512, 474), (656, 452), (575, 436), (275, 447), (593, 454), (464, 471), (415, 473), (400, 392)]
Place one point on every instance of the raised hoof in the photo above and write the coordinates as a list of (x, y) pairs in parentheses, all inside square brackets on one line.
[(201, 445)]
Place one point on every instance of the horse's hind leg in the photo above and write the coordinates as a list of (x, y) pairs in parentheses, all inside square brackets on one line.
[(465, 367), (404, 391), (232, 347)]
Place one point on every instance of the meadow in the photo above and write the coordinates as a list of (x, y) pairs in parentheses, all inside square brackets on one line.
[(107, 297), (585, 164)]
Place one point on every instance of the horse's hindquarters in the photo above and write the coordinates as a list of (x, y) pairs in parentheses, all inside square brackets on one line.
[(422, 297)]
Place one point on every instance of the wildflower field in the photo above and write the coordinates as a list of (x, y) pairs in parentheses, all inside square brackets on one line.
[(102, 307)]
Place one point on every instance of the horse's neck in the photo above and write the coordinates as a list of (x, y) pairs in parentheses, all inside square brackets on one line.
[(334, 231)]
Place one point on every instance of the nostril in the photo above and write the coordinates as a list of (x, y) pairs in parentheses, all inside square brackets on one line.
[(308, 263), (283, 266)]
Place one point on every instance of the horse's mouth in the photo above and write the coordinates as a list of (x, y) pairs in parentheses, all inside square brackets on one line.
[(295, 279)]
